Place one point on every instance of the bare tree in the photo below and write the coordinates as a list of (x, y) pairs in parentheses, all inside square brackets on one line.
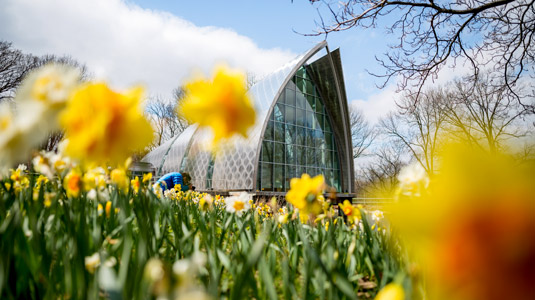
[(379, 178), (419, 126), (498, 34), (14, 65), (483, 116), (164, 118), (362, 133)]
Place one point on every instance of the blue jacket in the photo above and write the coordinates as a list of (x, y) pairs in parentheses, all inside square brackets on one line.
[(169, 180)]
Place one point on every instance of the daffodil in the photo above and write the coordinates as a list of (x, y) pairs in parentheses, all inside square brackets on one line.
[(470, 228), (135, 184), (221, 103), (352, 212), (120, 179), (40, 98), (206, 201), (92, 262), (108, 209), (103, 125), (73, 183), (238, 204), (51, 85), (391, 291), (48, 199), (147, 177), (306, 193)]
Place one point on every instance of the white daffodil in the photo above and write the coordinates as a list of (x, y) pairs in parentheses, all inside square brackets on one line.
[(238, 204)]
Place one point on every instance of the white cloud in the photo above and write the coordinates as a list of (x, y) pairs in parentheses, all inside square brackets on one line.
[(378, 105), (127, 45)]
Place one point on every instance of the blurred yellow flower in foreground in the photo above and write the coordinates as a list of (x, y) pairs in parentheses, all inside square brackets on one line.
[(305, 194), (221, 103), (391, 291), (120, 178), (103, 125), (51, 85), (473, 228)]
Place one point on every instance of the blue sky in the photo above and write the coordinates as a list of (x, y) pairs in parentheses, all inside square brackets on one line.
[(274, 23), (159, 44)]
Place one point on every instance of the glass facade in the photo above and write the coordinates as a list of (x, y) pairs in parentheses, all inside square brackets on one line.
[(298, 138)]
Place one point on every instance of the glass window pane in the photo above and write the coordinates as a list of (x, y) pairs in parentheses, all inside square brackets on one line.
[(278, 178), (279, 132), (336, 165), (279, 153), (310, 119), (319, 106), (266, 182), (319, 139), (310, 103), (320, 155), (319, 118), (279, 112), (329, 177), (290, 173), (300, 84), (329, 140), (290, 155), (310, 138), (281, 99), (290, 85), (327, 125), (290, 134), (310, 156), (301, 135), (309, 87), (336, 180), (301, 101), (300, 171), (267, 151), (328, 159), (299, 155), (268, 134), (290, 114), (301, 72), (300, 117), (290, 97)]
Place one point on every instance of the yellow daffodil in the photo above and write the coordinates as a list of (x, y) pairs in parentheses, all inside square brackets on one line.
[(147, 177), (72, 183), (48, 199), (135, 184), (206, 201), (391, 291), (18, 175), (103, 125), (306, 193), (221, 103), (118, 177), (470, 229), (352, 212), (108, 209)]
